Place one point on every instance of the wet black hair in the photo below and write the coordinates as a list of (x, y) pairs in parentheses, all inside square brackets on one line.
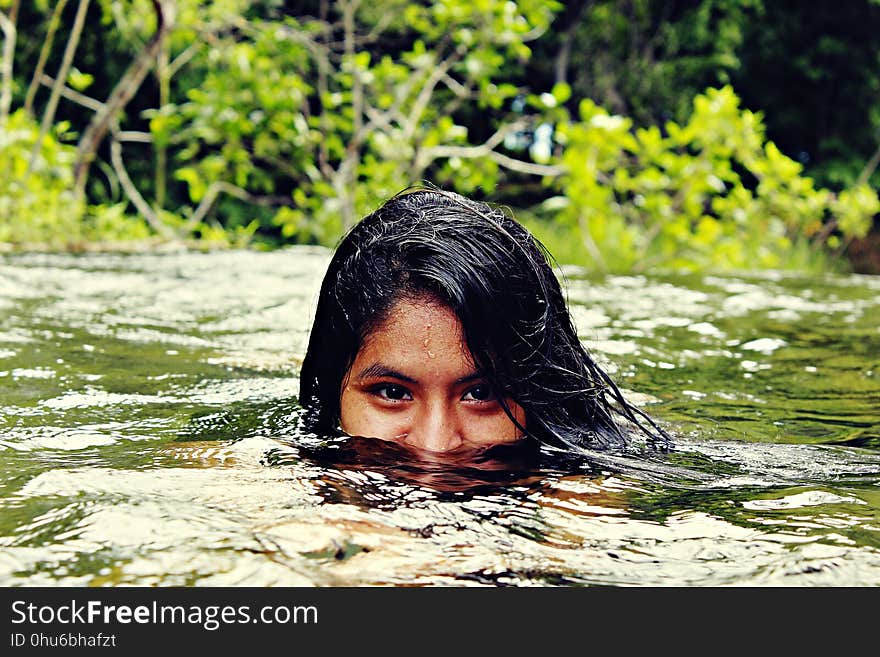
[(497, 279)]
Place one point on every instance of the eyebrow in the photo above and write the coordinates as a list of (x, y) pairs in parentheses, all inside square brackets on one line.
[(380, 370)]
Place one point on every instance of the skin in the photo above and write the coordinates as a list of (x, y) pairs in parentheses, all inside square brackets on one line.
[(414, 382)]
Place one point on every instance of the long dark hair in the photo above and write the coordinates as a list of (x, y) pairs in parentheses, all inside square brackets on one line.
[(497, 279)]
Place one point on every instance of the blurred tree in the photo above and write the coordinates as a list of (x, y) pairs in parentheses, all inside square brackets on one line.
[(814, 70), (9, 29), (710, 193), (107, 114), (645, 59), (219, 118), (326, 114)]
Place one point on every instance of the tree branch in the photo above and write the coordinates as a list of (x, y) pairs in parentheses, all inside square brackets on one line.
[(427, 90), (377, 30), (346, 173), (214, 190), (870, 167), (134, 136), (66, 62), (530, 168), (131, 191), (487, 149), (479, 150), (322, 58), (95, 106), (589, 243), (121, 94), (44, 55), (7, 24), (455, 86), (563, 57), (183, 58), (70, 94)]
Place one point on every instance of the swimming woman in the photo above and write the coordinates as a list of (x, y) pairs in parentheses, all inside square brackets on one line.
[(441, 326)]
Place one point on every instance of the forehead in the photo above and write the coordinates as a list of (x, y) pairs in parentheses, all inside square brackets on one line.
[(418, 333), (422, 311)]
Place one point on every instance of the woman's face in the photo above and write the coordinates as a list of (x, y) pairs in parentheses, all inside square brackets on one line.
[(413, 382)]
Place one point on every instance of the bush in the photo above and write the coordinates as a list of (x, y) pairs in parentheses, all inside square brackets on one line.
[(37, 201), (38, 204), (710, 194)]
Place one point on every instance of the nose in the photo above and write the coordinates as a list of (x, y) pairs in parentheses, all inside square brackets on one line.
[(435, 428)]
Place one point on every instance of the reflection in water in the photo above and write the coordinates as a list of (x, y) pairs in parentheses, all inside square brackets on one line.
[(148, 435), (454, 472)]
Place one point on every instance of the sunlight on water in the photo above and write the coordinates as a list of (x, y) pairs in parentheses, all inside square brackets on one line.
[(148, 436)]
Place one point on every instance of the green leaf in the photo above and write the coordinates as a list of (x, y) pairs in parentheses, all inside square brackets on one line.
[(561, 92), (78, 80)]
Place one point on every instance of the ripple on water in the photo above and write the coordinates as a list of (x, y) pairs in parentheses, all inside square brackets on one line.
[(243, 522), (801, 500), (221, 391), (56, 438), (146, 456)]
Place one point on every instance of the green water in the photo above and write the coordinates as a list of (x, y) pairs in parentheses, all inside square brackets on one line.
[(147, 436)]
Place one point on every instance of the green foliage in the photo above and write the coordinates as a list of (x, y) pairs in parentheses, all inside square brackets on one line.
[(37, 202), (290, 108), (711, 193), (135, 20), (284, 121), (646, 59), (813, 70)]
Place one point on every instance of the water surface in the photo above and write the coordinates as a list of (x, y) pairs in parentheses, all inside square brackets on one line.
[(148, 436)]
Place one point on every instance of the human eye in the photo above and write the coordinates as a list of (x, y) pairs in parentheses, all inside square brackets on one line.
[(391, 392), (478, 393)]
